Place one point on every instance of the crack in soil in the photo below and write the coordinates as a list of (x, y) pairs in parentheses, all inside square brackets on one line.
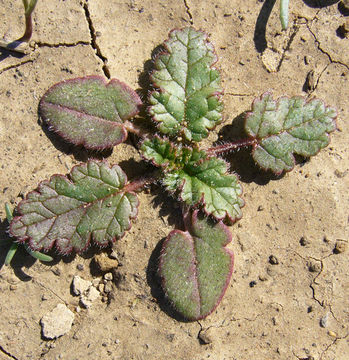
[(318, 44), (187, 10), (93, 43), (43, 44), (293, 34), (8, 354), (14, 66)]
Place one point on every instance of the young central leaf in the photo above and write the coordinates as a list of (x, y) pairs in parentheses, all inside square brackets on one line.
[(93, 202), (87, 111), (199, 179), (286, 127), (187, 101), (195, 267), (206, 181)]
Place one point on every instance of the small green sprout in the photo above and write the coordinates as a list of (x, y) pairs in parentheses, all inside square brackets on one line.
[(284, 13)]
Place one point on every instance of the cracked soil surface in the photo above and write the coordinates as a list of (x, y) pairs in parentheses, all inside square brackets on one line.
[(294, 305)]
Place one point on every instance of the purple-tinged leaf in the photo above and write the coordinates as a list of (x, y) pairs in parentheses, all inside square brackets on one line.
[(187, 100), (93, 203), (195, 266), (288, 126), (88, 111)]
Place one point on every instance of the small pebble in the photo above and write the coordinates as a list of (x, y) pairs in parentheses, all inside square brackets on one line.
[(80, 267), (314, 266), (95, 282), (205, 336), (273, 260), (44, 297), (324, 321), (104, 263), (340, 247), (13, 287), (332, 333), (113, 255), (304, 241), (79, 285), (260, 208), (262, 278), (56, 271), (108, 287), (253, 283), (100, 288), (57, 322), (108, 276)]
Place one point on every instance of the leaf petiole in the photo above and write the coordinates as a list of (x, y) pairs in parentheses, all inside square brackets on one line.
[(230, 146)]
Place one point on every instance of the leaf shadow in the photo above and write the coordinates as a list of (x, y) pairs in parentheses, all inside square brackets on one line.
[(145, 87), (241, 161), (5, 53), (320, 3), (167, 206), (154, 282), (259, 37), (135, 169), (342, 9)]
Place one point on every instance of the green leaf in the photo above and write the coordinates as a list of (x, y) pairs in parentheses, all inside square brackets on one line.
[(88, 111), (161, 152), (198, 178), (187, 102), (195, 267), (288, 126), (92, 203), (205, 180)]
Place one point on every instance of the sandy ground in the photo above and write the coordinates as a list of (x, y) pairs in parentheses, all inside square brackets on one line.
[(270, 311)]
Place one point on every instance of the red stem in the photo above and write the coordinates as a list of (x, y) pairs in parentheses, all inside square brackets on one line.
[(28, 29), (140, 183), (236, 145)]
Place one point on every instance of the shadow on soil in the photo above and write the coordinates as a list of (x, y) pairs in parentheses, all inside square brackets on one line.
[(261, 25), (241, 161), (319, 3)]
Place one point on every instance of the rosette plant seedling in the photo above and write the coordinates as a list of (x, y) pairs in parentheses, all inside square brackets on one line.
[(96, 202)]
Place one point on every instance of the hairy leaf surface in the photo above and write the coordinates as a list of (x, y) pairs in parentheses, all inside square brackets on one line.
[(206, 181), (195, 267), (161, 152), (92, 203), (88, 111), (187, 101), (199, 179), (288, 126)]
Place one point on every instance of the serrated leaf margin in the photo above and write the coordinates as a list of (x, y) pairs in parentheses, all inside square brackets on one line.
[(68, 250)]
